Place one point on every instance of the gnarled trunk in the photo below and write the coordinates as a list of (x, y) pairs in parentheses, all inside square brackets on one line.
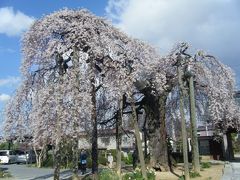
[(156, 112)]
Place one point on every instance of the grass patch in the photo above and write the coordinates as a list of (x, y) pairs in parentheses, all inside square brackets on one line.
[(191, 174), (194, 174), (107, 174), (205, 165)]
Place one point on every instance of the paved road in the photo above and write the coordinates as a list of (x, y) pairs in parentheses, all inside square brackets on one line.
[(22, 172), (231, 171)]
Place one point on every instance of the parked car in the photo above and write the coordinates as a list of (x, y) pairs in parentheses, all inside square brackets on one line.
[(7, 156), (25, 157)]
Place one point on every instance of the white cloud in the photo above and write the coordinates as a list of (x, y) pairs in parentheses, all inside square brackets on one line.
[(10, 81), (13, 23), (4, 97), (6, 50), (164, 22), (209, 25)]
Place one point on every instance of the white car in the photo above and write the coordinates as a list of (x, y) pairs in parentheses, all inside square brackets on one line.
[(25, 157), (7, 156)]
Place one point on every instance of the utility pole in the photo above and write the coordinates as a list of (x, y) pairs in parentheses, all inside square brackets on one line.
[(195, 150), (183, 121)]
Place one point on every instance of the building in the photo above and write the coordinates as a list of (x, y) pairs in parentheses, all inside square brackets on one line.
[(207, 145), (107, 140)]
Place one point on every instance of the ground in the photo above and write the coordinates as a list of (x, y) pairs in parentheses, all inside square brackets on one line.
[(213, 173), (22, 172), (232, 169), (218, 171)]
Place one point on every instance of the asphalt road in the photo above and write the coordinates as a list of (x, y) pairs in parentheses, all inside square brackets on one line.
[(232, 169), (22, 172)]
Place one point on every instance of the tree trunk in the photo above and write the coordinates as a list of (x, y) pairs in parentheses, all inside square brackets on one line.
[(227, 147), (195, 150), (94, 131), (39, 156), (138, 139), (75, 157), (75, 126), (119, 138), (57, 158), (183, 124), (57, 153), (163, 148), (156, 111), (145, 144), (230, 146)]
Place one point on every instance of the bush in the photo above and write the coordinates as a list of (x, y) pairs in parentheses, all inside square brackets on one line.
[(205, 165), (48, 162), (194, 174), (191, 174), (4, 146), (128, 159), (137, 174), (4, 174), (107, 174), (181, 177), (102, 160), (89, 162)]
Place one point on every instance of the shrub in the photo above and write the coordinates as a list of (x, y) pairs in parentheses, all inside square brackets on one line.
[(137, 174), (102, 160), (128, 159), (181, 177), (107, 174), (205, 165), (89, 162), (194, 174), (4, 174), (48, 162), (191, 174)]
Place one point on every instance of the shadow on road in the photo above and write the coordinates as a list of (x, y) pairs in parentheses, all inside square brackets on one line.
[(63, 175), (3, 169)]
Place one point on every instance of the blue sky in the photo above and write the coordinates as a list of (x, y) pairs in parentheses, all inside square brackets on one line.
[(208, 25)]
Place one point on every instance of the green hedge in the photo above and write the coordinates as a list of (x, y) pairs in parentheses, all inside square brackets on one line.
[(108, 174)]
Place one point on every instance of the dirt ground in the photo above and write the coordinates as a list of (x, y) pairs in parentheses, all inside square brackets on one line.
[(212, 173)]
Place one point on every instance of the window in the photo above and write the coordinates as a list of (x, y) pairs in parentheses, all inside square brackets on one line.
[(3, 153)]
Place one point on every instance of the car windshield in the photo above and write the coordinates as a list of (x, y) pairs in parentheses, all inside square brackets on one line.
[(3, 153)]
